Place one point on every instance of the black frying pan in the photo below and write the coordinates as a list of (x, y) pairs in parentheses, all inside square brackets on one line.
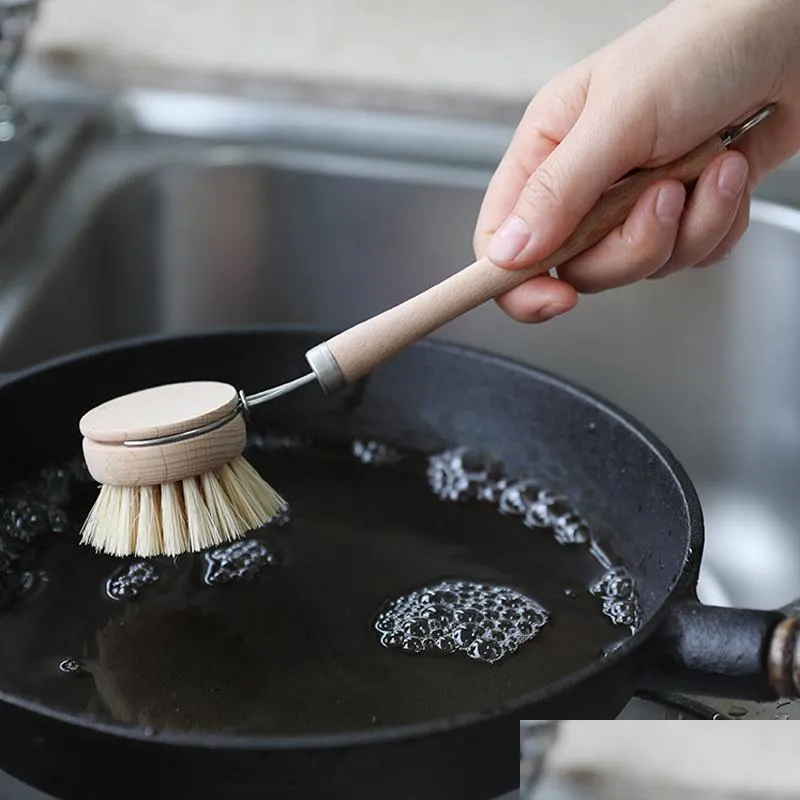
[(634, 494)]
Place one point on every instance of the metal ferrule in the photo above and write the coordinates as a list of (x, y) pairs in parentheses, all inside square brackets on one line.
[(327, 371), (735, 132)]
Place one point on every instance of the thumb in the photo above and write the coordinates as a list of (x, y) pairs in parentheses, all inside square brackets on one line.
[(562, 190)]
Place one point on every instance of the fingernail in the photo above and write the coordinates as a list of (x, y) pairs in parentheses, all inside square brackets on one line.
[(552, 310), (669, 203), (507, 243), (732, 176)]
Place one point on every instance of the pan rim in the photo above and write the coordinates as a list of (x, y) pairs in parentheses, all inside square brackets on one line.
[(683, 586)]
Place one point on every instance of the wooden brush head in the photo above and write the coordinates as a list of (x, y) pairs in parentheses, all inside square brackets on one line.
[(161, 411)]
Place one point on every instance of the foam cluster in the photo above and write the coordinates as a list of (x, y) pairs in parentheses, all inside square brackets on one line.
[(130, 582), (456, 476), (485, 622), (371, 452), (242, 560), (617, 591)]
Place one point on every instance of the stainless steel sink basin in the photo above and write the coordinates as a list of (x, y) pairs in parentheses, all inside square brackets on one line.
[(184, 214)]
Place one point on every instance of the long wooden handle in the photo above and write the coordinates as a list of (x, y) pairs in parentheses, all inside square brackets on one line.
[(363, 347)]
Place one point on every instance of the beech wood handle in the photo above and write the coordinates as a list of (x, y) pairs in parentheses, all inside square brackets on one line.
[(368, 344)]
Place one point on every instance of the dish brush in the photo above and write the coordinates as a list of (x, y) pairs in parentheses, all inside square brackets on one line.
[(170, 458), (172, 494)]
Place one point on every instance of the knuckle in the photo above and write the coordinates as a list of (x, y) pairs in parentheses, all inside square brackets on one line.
[(541, 190), (709, 231), (648, 250)]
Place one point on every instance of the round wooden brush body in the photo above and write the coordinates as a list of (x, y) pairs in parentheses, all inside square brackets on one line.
[(180, 496)]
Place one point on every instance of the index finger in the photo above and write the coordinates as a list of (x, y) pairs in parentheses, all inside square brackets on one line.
[(547, 120)]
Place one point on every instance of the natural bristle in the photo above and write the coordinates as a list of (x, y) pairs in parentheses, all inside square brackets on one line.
[(148, 537), (191, 515)]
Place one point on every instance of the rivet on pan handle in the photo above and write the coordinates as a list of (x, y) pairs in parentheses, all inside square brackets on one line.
[(784, 658)]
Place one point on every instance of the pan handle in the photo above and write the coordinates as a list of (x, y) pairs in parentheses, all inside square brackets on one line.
[(727, 652)]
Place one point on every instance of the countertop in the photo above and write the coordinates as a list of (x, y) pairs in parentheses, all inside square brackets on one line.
[(500, 50)]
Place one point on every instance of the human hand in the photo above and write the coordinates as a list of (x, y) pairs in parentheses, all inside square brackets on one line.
[(646, 99)]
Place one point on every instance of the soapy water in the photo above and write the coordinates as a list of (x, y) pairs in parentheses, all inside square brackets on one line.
[(275, 442), (372, 452), (612, 648), (485, 622), (128, 582), (32, 581), (31, 510), (242, 560), (455, 475), (361, 580), (37, 507), (617, 592), (282, 518)]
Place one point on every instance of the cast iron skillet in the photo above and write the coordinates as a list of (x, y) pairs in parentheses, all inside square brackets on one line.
[(627, 484)]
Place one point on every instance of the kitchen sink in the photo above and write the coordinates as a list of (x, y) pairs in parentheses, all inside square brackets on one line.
[(172, 213)]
